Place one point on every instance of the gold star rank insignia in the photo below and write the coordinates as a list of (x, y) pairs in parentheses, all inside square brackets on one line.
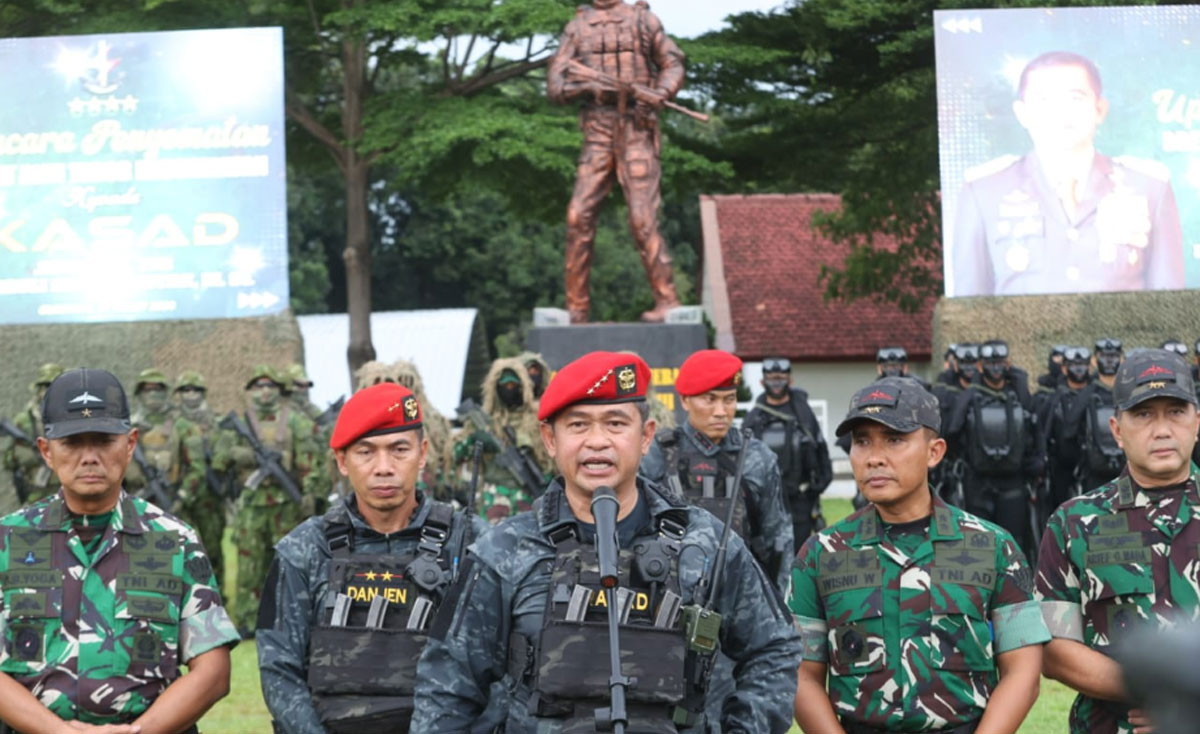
[(87, 413), (387, 576), (393, 407), (371, 575)]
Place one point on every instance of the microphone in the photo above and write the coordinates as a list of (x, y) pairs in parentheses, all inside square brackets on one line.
[(604, 513)]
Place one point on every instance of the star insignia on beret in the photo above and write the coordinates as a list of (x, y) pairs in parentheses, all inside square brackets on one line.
[(411, 410), (393, 407), (87, 413), (599, 383)]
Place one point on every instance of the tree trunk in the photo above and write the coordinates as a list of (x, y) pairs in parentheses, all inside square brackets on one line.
[(358, 240)]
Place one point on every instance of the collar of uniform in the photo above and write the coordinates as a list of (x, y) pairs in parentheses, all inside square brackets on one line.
[(943, 527), (731, 441), (554, 512), (349, 508), (56, 518), (1130, 496)]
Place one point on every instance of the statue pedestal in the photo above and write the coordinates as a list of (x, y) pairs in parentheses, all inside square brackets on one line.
[(663, 346)]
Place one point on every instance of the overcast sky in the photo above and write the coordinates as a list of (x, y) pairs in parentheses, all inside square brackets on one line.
[(690, 18)]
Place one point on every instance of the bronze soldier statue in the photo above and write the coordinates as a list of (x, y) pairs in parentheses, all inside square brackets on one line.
[(616, 59)]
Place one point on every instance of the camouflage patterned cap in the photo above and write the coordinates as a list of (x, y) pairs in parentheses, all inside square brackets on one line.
[(150, 376), (46, 374), (896, 402), (261, 371), (190, 378), (1153, 373)]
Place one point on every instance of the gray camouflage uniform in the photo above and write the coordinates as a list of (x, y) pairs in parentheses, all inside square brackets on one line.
[(770, 524), (505, 591), (294, 600)]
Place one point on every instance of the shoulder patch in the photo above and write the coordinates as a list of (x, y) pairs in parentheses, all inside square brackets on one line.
[(983, 170), (1145, 166)]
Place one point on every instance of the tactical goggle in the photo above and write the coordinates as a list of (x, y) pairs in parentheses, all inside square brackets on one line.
[(994, 351), (891, 354), (1058, 349), (1077, 354), (950, 350), (1177, 347), (966, 353), (1109, 345), (777, 365)]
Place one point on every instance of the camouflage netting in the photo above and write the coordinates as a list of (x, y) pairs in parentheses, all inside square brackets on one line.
[(223, 350), (1032, 324)]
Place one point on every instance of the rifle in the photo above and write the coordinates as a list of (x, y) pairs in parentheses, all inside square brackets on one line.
[(519, 464), (216, 485), (18, 476), (476, 465), (268, 461), (639, 91), (330, 414), (157, 489)]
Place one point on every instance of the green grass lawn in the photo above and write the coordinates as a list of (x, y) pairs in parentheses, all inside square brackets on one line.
[(243, 710)]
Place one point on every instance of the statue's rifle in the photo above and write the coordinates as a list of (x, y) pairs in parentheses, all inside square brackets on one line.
[(638, 90)]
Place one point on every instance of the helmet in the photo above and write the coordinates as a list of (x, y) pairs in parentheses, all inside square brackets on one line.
[(267, 371), (46, 374), (190, 378), (150, 376)]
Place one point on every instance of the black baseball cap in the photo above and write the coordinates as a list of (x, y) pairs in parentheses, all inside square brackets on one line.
[(900, 403), (85, 401), (1153, 373)]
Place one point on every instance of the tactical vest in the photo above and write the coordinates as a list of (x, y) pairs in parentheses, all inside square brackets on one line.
[(1103, 455), (996, 430), (155, 442), (792, 444), (703, 481), (144, 614), (362, 666), (616, 41), (567, 669)]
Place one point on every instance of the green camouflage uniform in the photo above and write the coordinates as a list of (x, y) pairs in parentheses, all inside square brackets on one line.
[(199, 504), (1117, 559), (264, 514), (299, 399), (155, 431), (24, 459), (905, 621), (98, 618)]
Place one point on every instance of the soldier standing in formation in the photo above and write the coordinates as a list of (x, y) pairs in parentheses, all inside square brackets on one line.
[(154, 417), (1125, 557), (622, 139), (265, 512), (24, 461), (915, 615), (1088, 419), (438, 476), (296, 388), (697, 462), (1062, 444), (106, 596), (783, 420), (347, 602), (513, 610), (538, 371), (202, 492)]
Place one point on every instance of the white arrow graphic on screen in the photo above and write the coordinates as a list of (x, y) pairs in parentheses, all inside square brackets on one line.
[(257, 300), (963, 25)]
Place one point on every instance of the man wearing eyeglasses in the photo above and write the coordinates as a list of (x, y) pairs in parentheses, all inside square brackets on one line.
[(785, 422), (999, 443), (1063, 448), (1101, 457)]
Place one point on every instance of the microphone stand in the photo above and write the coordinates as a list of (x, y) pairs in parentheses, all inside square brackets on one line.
[(614, 718)]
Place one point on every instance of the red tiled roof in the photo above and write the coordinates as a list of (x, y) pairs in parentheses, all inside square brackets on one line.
[(772, 258)]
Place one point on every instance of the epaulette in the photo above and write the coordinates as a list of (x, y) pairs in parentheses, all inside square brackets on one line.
[(995, 165), (1145, 166)]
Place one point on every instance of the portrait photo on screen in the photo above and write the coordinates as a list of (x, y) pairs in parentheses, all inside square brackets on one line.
[(1069, 149)]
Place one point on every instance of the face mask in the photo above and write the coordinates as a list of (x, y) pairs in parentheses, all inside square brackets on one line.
[(967, 370), (511, 396), (1078, 372), (265, 398), (776, 386), (892, 369), (995, 371), (153, 399), (1108, 364), (191, 399), (536, 376)]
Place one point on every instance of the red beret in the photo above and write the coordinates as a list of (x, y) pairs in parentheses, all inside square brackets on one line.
[(708, 369), (375, 411), (596, 379)]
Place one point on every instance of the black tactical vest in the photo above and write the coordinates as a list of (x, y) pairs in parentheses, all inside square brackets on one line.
[(703, 481), (567, 668), (1104, 456), (996, 431), (361, 669)]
